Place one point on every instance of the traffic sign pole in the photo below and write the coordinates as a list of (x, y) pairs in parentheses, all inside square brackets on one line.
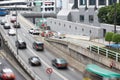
[(49, 72)]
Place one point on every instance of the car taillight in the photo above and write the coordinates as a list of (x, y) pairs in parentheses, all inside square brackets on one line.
[(36, 46), (58, 65)]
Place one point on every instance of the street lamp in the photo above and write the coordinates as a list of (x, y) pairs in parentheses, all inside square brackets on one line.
[(115, 14), (16, 27)]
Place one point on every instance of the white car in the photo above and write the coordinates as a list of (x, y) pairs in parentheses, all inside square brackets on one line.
[(59, 35), (34, 31), (11, 32), (6, 26), (3, 22)]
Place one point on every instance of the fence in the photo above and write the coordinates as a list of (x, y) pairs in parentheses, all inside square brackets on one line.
[(105, 52)]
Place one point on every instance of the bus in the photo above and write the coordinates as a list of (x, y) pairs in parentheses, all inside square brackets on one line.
[(3, 11)]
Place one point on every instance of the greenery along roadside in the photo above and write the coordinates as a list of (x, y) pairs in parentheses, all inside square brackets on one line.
[(106, 14)]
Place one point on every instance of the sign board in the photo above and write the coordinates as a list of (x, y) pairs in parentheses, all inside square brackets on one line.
[(49, 70)]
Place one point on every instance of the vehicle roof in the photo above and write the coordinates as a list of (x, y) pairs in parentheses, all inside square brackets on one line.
[(38, 42), (61, 60), (6, 70), (34, 57), (21, 41), (7, 24)]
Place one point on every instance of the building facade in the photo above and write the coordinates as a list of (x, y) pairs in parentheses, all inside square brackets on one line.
[(45, 6), (85, 11)]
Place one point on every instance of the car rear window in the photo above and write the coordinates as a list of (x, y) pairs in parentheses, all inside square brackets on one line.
[(61, 61)]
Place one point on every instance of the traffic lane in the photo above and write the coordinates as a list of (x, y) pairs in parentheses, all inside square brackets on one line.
[(47, 57), (24, 53), (30, 39), (30, 52), (6, 64)]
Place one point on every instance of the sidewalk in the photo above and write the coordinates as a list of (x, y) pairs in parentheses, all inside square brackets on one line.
[(85, 40)]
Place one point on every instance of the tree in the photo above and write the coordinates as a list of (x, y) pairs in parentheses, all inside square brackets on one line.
[(116, 38), (106, 14), (109, 36)]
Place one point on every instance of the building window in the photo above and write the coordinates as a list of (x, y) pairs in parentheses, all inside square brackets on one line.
[(82, 29), (111, 2), (59, 24), (92, 2), (81, 18), (102, 2), (82, 2), (75, 28), (91, 19), (70, 26), (64, 25)]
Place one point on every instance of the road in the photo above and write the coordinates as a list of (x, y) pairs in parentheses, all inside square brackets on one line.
[(6, 64), (45, 56)]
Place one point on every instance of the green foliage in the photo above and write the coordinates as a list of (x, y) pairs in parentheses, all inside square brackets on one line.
[(108, 36), (106, 14), (116, 38)]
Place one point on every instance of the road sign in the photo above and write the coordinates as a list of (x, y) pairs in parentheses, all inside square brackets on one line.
[(49, 70)]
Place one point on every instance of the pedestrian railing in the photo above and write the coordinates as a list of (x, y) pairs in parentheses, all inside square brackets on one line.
[(103, 51)]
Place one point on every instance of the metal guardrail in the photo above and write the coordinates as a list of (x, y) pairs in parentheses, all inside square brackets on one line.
[(105, 52)]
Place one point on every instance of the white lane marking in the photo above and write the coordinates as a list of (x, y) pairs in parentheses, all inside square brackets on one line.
[(72, 69), (24, 34), (49, 66)]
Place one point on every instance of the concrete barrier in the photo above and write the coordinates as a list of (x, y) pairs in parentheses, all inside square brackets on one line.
[(81, 54), (20, 60), (22, 20)]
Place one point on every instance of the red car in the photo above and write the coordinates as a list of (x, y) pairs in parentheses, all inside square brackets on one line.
[(59, 63), (13, 19), (7, 74)]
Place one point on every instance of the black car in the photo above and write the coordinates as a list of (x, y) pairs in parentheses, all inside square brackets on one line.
[(20, 44), (37, 45), (34, 61), (16, 25), (59, 63)]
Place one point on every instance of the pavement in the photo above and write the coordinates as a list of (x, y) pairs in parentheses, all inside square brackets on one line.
[(85, 41)]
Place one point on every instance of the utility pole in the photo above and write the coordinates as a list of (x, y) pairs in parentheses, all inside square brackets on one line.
[(115, 14), (16, 27)]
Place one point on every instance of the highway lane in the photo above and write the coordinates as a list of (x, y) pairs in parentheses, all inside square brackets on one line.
[(25, 54), (6, 64), (46, 57)]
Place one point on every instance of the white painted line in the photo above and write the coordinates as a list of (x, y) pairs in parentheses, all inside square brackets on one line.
[(72, 69), (49, 66), (24, 34)]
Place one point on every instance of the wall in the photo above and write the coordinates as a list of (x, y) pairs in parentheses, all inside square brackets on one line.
[(68, 27), (81, 54)]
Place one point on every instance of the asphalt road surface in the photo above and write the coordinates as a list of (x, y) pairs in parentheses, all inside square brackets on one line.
[(45, 56)]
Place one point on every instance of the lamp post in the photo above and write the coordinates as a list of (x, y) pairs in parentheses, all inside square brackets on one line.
[(115, 14), (16, 28)]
